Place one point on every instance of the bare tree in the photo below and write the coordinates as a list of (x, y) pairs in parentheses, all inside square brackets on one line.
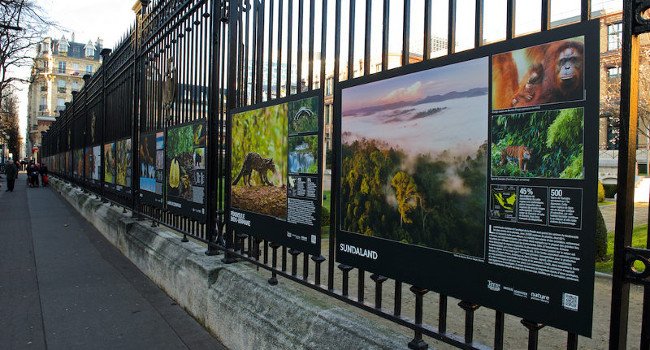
[(9, 123), (23, 24), (611, 101)]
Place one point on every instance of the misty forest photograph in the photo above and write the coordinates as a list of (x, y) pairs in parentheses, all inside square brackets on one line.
[(414, 158)]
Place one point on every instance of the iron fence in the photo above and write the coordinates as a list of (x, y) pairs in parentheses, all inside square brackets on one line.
[(190, 62)]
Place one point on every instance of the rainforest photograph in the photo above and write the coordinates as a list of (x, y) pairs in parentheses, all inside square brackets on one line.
[(414, 158), (546, 144), (109, 163), (259, 152), (186, 162), (123, 156)]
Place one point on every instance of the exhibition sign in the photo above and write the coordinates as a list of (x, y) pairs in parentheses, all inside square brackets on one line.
[(185, 178), (110, 166), (474, 175), (152, 167), (96, 164), (275, 176), (78, 162), (123, 166)]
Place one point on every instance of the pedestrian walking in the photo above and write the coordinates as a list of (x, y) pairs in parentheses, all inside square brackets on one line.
[(12, 173), (30, 178), (44, 177)]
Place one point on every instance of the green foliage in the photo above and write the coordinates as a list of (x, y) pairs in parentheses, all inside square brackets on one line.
[(180, 140), (601, 192), (263, 131), (601, 236), (553, 137), (324, 216), (406, 192), (382, 197)]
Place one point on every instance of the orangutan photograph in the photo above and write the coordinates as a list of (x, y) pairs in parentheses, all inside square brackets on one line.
[(539, 75)]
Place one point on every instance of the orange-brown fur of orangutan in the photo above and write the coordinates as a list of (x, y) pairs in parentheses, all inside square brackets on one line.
[(505, 86), (557, 76)]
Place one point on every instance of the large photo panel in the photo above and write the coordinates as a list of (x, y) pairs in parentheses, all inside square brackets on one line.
[(185, 170), (414, 154), (446, 185), (151, 157), (275, 175)]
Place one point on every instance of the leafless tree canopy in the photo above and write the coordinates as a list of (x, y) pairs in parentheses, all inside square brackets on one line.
[(610, 104), (9, 123), (23, 24)]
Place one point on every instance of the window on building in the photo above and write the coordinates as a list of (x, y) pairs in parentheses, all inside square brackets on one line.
[(614, 36), (613, 72), (63, 46), (43, 105), (61, 67), (90, 51), (60, 104), (75, 86), (44, 87), (60, 85), (75, 68), (329, 83), (89, 69)]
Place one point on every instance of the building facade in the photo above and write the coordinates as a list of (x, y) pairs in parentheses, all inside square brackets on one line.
[(58, 70), (610, 84)]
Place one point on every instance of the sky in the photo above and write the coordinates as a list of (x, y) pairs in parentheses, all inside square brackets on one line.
[(110, 19), (88, 20), (417, 127), (416, 86)]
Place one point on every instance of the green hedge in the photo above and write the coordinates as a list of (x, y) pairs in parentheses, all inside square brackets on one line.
[(610, 190)]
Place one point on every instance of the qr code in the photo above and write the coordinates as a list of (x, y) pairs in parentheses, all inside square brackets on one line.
[(570, 301)]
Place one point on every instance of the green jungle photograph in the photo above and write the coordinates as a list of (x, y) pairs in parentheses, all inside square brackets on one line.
[(545, 144), (303, 115), (259, 161), (123, 156), (185, 157), (109, 163), (414, 158)]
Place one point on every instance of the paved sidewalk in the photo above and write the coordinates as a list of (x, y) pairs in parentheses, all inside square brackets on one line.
[(63, 286)]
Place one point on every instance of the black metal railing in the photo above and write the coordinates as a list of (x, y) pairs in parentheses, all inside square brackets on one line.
[(180, 54)]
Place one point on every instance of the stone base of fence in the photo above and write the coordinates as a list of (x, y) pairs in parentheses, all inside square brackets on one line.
[(234, 302)]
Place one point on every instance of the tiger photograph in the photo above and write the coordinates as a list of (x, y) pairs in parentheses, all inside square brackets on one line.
[(543, 144)]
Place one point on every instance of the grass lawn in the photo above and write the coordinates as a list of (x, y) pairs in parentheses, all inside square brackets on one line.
[(639, 237), (327, 197)]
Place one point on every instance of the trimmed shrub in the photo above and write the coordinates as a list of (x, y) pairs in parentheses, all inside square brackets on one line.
[(324, 217), (601, 192), (601, 237), (610, 191)]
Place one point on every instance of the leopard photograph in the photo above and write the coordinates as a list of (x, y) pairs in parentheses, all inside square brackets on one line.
[(259, 165)]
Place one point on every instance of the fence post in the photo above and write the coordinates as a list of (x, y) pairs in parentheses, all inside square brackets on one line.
[(105, 53), (625, 178), (231, 103), (213, 124)]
